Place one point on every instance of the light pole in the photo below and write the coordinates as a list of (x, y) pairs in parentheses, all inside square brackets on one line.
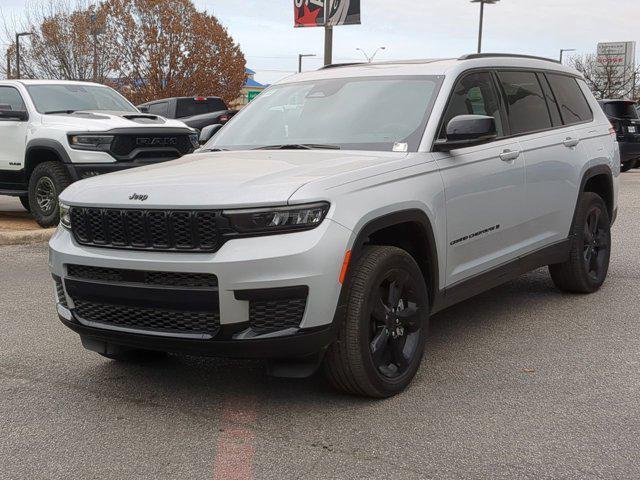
[(18, 35), (562, 50), (482, 2), (372, 57), (300, 57)]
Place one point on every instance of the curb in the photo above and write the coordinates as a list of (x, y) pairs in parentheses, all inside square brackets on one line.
[(25, 237)]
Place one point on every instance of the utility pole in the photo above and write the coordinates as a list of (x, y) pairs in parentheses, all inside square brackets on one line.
[(300, 57), (328, 44), (482, 2), (18, 35), (94, 32), (8, 65)]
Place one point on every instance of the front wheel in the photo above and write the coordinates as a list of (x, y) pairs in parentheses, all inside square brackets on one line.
[(46, 183), (588, 264), (381, 341)]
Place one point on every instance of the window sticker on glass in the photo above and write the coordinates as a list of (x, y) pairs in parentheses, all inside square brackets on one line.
[(400, 147)]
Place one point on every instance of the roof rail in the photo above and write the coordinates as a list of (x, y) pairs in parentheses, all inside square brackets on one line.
[(337, 65), (472, 56)]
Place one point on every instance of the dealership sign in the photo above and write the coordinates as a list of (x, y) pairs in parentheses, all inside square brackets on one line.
[(318, 13), (618, 60)]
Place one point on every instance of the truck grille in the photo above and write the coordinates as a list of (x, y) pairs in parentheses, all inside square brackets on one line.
[(131, 147), (178, 230)]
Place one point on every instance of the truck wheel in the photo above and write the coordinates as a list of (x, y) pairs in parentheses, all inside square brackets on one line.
[(588, 264), (47, 181), (382, 338), (24, 200)]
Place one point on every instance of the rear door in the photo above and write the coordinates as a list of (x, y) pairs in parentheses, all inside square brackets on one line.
[(552, 151), (484, 186), (13, 133)]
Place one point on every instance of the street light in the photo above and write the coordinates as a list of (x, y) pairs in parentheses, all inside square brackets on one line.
[(18, 35), (300, 57), (482, 2), (372, 57), (562, 50)]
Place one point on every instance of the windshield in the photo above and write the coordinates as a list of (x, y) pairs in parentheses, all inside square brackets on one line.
[(621, 109), (60, 98), (372, 113)]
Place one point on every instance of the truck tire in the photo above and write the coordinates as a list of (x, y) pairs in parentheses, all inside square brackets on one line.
[(46, 183), (24, 200), (381, 341), (588, 264)]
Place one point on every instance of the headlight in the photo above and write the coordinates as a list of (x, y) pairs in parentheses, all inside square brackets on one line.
[(195, 140), (65, 216), (277, 220), (91, 142)]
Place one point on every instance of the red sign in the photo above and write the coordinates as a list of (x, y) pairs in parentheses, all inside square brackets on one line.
[(312, 13), (308, 13)]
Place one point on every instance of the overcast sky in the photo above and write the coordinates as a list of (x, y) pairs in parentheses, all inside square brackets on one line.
[(417, 29)]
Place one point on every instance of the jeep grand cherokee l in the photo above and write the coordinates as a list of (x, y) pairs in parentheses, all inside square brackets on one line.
[(338, 212)]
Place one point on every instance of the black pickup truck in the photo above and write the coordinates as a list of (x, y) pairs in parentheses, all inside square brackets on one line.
[(196, 112)]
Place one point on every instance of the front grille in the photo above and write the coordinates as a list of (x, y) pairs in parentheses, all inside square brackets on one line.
[(178, 230), (150, 319), (266, 316), (130, 147), (167, 279)]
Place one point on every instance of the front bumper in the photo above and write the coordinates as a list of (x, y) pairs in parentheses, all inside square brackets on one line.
[(80, 171), (311, 259)]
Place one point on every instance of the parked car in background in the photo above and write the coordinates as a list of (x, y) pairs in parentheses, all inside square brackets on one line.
[(335, 215), (624, 117), (195, 112), (53, 133)]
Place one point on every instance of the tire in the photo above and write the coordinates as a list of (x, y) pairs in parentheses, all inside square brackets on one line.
[(379, 350), (24, 200), (46, 183), (625, 167), (588, 264)]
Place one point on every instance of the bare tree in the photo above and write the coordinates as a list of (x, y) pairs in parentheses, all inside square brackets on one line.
[(606, 77), (69, 41)]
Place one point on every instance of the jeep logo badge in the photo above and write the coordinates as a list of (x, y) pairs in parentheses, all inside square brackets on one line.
[(135, 196), (156, 141)]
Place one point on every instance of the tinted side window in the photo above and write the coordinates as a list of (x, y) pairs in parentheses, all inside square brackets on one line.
[(159, 108), (573, 104), (11, 98), (552, 102), (526, 106), (473, 95)]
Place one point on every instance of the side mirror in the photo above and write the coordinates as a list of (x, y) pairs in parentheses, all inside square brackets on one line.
[(20, 115), (468, 131), (208, 132), (143, 109)]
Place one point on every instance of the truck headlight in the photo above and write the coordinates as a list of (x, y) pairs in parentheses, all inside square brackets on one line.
[(65, 216), (91, 142), (277, 219), (195, 140)]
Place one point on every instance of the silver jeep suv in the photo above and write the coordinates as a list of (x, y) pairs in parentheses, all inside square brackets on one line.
[(328, 221)]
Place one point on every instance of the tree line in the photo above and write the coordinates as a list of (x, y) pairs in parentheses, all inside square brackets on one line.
[(146, 49)]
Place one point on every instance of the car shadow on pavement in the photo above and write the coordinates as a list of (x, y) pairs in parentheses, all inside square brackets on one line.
[(205, 381)]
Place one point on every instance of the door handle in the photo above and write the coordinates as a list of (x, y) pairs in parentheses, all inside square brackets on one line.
[(509, 155), (571, 142)]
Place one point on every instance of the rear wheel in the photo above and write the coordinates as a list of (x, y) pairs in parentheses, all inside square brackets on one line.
[(381, 341), (47, 181), (588, 264)]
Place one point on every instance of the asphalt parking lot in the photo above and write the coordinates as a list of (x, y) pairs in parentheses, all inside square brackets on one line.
[(520, 382)]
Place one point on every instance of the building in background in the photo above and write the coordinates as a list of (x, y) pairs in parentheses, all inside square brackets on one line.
[(251, 90)]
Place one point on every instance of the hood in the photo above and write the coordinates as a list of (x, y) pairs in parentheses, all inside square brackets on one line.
[(101, 121), (222, 179)]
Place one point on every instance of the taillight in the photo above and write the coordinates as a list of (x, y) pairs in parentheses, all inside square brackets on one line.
[(612, 132), (200, 99), (224, 118)]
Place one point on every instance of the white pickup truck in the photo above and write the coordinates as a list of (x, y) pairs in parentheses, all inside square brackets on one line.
[(53, 133)]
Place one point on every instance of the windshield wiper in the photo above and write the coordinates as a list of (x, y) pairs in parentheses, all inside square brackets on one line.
[(300, 146), (60, 111)]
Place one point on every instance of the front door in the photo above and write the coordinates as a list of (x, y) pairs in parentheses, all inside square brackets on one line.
[(484, 187), (13, 135)]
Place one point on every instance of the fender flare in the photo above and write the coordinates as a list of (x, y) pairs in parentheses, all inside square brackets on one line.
[(52, 146), (589, 174)]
